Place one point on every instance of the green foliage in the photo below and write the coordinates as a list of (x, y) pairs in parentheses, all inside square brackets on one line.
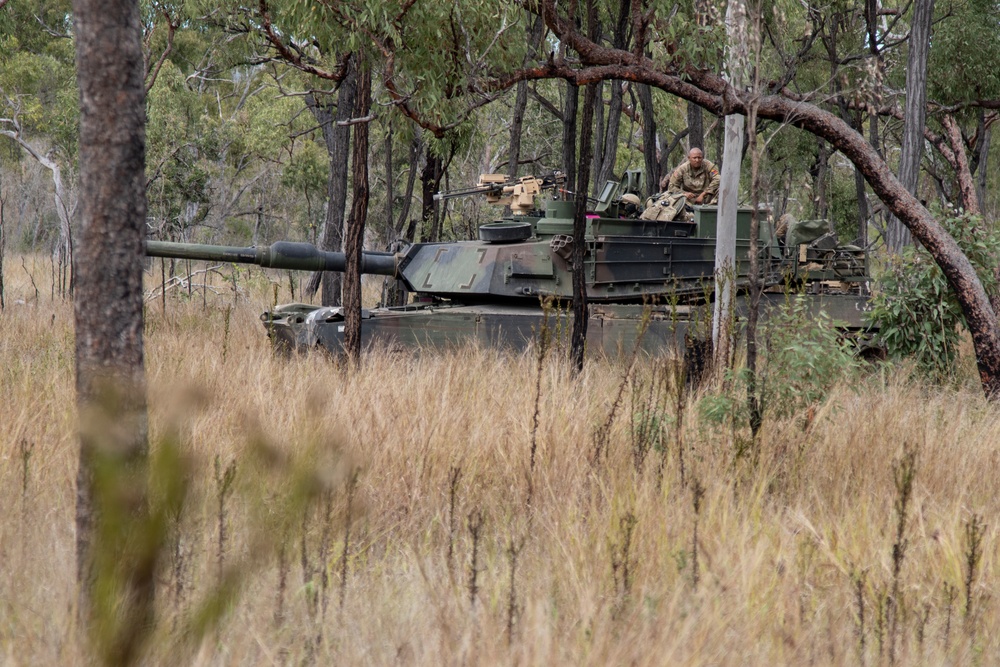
[(307, 170), (802, 357), (965, 56), (914, 308)]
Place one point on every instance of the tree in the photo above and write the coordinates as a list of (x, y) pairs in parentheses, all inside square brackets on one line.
[(110, 376), (37, 106), (898, 236), (359, 214), (725, 243), (707, 88), (336, 137)]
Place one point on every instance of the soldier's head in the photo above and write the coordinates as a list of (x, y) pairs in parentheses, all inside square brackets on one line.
[(695, 157)]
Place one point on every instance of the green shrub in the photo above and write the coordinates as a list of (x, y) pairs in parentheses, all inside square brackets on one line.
[(801, 357), (917, 314)]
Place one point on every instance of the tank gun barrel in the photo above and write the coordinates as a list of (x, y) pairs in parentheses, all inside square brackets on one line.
[(280, 255)]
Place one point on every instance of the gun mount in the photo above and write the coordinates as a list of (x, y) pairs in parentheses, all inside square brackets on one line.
[(492, 289), (519, 193)]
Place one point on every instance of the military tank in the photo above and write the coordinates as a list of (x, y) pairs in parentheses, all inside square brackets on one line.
[(649, 282)]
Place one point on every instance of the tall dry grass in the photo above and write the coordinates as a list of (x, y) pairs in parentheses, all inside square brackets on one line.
[(581, 560)]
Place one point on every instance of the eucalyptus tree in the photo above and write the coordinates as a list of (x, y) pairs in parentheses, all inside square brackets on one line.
[(915, 114), (110, 374), (962, 91), (676, 68), (38, 104)]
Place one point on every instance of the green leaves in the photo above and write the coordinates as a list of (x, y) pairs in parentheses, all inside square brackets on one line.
[(914, 308)]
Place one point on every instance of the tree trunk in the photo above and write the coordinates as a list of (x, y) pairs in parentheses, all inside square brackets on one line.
[(390, 189), (521, 101), (359, 213), (713, 93), (725, 243), (108, 313), (696, 127), (966, 184), (597, 150), (897, 235), (569, 134), (405, 226), (754, 407), (610, 152), (818, 172), (3, 247), (984, 154), (337, 139), (649, 141), (430, 181), (581, 313), (63, 252)]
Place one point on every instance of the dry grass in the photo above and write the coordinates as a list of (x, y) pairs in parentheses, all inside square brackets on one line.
[(787, 549)]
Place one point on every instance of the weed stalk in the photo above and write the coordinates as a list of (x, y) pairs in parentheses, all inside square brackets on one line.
[(352, 486), (453, 478), (697, 493), (950, 593), (974, 532), (904, 473), (475, 526), (859, 603), (226, 317), (513, 552), (223, 488), (622, 559)]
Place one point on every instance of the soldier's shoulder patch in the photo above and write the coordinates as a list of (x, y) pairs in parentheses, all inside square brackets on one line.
[(714, 172)]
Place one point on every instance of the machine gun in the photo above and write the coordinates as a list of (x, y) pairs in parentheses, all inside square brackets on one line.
[(519, 193)]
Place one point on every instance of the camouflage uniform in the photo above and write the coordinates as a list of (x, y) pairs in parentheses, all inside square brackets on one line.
[(685, 178)]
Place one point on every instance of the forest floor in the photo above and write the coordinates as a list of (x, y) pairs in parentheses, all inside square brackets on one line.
[(473, 507)]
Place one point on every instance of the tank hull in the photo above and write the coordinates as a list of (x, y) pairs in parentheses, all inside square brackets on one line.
[(614, 330)]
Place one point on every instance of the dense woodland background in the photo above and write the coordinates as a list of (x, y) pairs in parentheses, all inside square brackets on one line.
[(247, 141)]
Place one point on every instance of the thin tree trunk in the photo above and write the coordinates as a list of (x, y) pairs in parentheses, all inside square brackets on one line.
[(390, 188), (359, 214), (597, 150), (569, 133), (108, 314), (63, 255), (581, 312), (966, 184), (818, 172), (725, 242), (696, 127), (337, 139), (897, 235), (649, 140), (984, 154), (430, 180), (521, 100), (610, 151), (403, 222), (3, 247)]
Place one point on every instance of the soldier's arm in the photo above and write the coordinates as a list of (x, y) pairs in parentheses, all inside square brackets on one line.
[(676, 183), (713, 184)]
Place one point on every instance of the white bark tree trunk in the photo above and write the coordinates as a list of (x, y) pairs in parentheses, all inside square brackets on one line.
[(725, 244)]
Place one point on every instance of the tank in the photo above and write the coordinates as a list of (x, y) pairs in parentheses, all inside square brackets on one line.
[(649, 282)]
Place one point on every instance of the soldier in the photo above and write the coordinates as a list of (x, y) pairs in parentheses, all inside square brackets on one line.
[(697, 178)]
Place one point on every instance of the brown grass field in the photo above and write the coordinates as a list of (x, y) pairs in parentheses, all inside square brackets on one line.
[(431, 540)]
